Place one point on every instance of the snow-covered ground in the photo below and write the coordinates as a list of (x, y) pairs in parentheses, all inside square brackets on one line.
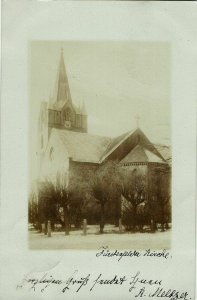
[(94, 240)]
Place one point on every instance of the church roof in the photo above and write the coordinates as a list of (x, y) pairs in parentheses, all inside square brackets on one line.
[(141, 155), (115, 142), (85, 147), (82, 147), (165, 151)]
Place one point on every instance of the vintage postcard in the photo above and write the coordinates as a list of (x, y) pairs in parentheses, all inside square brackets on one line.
[(98, 150)]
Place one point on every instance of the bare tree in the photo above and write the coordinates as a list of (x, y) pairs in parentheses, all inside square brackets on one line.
[(134, 191), (164, 195), (105, 186), (159, 194), (33, 208), (71, 192), (63, 195), (78, 189), (47, 203)]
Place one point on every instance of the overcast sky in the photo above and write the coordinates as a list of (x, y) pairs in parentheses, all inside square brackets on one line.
[(116, 80)]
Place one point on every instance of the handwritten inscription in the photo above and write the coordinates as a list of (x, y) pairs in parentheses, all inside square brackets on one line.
[(105, 252), (136, 284)]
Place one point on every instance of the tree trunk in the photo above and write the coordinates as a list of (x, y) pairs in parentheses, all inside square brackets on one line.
[(118, 213), (84, 226), (39, 226), (66, 220), (141, 228), (45, 227), (77, 221), (102, 222), (120, 225), (49, 228), (134, 217), (162, 218)]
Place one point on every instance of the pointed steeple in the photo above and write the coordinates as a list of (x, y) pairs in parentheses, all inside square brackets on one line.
[(62, 91)]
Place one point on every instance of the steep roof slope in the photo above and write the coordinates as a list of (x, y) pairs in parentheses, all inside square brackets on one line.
[(121, 146), (141, 155), (165, 151), (82, 147)]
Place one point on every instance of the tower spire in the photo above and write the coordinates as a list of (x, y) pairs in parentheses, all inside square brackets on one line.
[(62, 90)]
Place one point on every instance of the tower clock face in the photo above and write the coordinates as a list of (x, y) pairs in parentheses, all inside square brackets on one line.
[(67, 124)]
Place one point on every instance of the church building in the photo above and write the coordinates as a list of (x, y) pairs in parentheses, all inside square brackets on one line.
[(65, 144)]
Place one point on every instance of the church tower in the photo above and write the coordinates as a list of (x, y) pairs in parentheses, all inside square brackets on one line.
[(62, 112)]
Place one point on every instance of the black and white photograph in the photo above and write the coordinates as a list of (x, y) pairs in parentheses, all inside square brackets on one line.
[(100, 145)]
